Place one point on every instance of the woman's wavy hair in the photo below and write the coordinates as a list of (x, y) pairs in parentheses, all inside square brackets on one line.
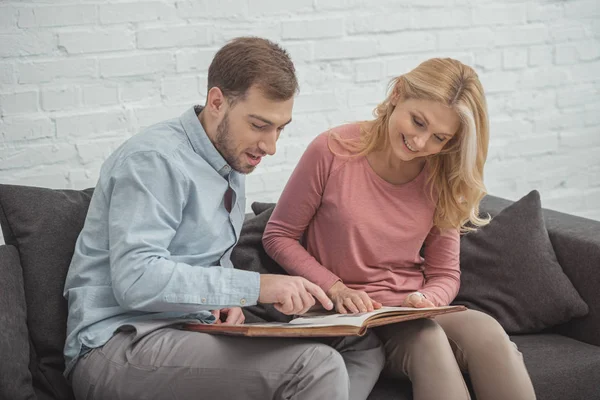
[(456, 173)]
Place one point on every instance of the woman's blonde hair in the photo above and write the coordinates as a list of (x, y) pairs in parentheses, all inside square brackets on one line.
[(456, 173)]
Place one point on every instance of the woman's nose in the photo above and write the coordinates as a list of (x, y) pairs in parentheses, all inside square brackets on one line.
[(420, 140)]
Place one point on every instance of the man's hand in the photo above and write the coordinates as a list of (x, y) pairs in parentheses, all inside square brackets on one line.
[(291, 294), (417, 300), (229, 316), (350, 300)]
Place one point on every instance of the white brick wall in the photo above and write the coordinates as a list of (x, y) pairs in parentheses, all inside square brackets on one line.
[(77, 77)]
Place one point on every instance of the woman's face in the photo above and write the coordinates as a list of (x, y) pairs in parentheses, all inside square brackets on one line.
[(419, 128)]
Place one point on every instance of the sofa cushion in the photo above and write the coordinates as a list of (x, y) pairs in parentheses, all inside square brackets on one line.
[(561, 367), (510, 271), (249, 254), (15, 378), (388, 389), (44, 224)]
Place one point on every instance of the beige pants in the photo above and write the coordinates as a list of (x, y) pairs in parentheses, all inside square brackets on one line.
[(433, 353)]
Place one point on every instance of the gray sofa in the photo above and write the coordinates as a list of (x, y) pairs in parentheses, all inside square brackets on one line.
[(40, 227)]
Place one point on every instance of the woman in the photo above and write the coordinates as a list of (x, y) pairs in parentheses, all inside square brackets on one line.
[(369, 195)]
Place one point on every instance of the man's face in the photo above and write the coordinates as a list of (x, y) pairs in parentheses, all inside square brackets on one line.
[(249, 130)]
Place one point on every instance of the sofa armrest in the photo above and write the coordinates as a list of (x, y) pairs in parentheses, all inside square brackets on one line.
[(576, 242)]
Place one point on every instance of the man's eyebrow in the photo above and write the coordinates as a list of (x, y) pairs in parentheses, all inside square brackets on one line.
[(427, 122), (266, 121)]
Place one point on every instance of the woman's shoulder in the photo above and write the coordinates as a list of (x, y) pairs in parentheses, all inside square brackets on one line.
[(346, 132), (338, 141)]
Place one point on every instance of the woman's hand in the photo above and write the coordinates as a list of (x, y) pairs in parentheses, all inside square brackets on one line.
[(352, 301), (417, 300)]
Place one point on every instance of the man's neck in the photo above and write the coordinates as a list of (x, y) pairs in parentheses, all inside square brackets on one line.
[(202, 117)]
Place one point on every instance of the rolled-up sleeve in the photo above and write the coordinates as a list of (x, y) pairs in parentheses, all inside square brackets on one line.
[(147, 195)]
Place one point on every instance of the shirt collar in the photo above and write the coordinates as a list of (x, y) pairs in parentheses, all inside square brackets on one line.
[(201, 142)]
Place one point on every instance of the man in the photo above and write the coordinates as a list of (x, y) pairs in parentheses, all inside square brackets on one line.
[(155, 251)]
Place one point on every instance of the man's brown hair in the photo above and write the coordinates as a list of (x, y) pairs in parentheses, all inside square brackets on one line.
[(249, 61)]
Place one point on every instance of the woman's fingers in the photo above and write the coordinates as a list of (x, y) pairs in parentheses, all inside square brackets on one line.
[(424, 303), (350, 306), (368, 303), (354, 301), (339, 306), (417, 300)]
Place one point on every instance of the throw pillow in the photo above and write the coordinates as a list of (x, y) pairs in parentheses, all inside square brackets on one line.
[(15, 378), (249, 254), (259, 208), (510, 271), (44, 224)]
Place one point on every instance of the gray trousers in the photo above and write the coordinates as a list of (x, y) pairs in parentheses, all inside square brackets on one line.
[(168, 363)]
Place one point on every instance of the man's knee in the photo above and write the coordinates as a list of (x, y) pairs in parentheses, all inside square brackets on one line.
[(327, 360), (321, 374)]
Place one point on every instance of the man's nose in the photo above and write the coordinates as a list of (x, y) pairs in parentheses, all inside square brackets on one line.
[(269, 143)]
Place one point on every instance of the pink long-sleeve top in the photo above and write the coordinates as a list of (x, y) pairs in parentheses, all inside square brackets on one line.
[(361, 229)]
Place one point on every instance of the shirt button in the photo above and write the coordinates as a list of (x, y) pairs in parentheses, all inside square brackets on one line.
[(203, 300), (243, 301)]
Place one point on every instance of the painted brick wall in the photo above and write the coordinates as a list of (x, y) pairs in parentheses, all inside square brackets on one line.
[(79, 77)]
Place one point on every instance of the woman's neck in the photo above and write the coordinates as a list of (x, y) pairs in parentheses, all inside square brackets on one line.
[(392, 169)]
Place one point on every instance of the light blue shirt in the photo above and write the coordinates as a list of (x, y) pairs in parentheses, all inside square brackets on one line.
[(157, 239)]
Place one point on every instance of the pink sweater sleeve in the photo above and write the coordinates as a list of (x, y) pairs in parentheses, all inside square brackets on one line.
[(296, 207), (441, 269)]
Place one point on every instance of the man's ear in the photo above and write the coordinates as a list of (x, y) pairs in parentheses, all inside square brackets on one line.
[(215, 101)]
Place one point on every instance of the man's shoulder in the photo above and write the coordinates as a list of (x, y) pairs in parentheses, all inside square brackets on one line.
[(165, 140)]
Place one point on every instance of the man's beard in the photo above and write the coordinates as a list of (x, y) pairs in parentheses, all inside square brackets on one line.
[(226, 146)]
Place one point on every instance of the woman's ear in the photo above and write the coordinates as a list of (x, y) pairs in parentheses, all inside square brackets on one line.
[(396, 96)]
